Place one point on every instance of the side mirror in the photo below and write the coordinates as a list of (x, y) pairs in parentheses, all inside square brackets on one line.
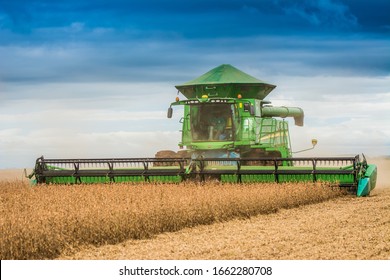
[(170, 112)]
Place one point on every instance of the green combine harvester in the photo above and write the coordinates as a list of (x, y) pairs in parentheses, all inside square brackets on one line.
[(230, 133)]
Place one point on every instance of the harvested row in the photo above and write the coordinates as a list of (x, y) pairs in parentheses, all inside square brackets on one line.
[(43, 222)]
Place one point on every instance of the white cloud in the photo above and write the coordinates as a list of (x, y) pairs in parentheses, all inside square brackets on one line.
[(347, 115), (119, 119)]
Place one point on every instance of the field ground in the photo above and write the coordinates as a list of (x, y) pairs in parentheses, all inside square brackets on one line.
[(336, 229), (341, 228)]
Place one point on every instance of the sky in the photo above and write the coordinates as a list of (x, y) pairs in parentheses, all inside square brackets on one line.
[(95, 78)]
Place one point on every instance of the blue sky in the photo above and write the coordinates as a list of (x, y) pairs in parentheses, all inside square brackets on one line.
[(94, 78)]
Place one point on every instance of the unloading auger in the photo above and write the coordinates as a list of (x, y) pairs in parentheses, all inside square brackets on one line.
[(229, 133)]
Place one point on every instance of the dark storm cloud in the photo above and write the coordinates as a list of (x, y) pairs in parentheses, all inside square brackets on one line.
[(373, 16), (155, 40), (199, 18)]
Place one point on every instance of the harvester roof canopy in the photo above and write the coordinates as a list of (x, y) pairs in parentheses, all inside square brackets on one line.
[(226, 81)]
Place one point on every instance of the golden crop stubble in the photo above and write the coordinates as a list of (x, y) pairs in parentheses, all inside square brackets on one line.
[(43, 221)]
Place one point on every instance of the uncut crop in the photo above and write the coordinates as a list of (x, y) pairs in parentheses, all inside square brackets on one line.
[(43, 222)]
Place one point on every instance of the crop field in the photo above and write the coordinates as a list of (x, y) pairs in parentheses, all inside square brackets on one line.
[(44, 221), (191, 221)]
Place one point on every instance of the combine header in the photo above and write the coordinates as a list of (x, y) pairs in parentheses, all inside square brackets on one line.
[(231, 134)]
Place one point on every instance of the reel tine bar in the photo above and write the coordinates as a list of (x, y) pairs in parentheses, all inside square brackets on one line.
[(280, 169)]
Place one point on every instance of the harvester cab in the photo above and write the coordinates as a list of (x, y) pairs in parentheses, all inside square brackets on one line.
[(230, 133)]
